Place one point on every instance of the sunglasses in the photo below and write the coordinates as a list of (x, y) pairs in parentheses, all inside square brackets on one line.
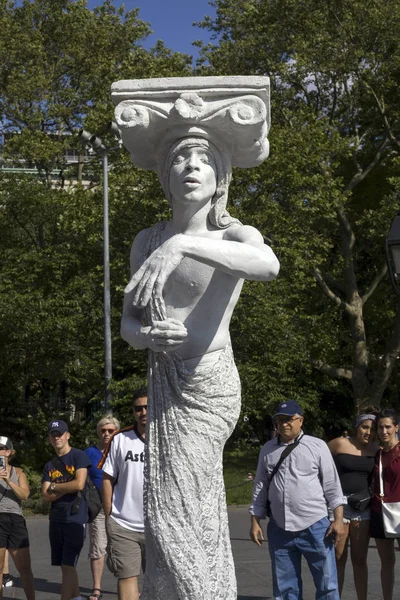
[(3, 448), (140, 409), (108, 430)]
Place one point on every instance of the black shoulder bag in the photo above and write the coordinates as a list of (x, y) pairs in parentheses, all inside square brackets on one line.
[(289, 448), (90, 492)]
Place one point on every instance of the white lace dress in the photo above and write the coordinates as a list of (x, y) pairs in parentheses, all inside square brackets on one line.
[(190, 417)]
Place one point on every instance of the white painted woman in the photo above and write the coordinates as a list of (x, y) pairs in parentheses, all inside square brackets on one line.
[(187, 274)]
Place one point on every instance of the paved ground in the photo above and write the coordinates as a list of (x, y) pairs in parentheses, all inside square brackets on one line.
[(252, 567)]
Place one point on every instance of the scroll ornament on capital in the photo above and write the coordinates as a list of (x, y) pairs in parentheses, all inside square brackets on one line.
[(239, 120)]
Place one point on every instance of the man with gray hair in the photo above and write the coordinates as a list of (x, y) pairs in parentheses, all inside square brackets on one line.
[(296, 482), (106, 428)]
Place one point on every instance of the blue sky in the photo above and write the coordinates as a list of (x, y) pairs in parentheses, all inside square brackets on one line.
[(171, 21)]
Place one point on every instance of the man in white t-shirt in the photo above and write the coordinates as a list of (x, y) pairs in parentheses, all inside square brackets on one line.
[(122, 491)]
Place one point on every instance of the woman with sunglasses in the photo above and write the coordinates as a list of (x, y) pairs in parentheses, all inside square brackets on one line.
[(106, 428), (389, 457), (14, 537), (354, 458)]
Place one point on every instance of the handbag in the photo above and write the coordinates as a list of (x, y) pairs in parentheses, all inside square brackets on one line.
[(284, 454), (390, 510), (360, 501)]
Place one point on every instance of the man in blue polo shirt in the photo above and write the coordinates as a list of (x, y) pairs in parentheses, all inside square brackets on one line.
[(63, 477), (297, 498)]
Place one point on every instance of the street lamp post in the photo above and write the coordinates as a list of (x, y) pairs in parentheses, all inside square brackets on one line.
[(393, 253), (98, 146)]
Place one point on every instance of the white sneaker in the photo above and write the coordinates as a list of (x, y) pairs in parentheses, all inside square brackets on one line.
[(8, 580)]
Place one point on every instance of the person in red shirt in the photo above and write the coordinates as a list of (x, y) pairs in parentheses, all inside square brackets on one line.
[(387, 428)]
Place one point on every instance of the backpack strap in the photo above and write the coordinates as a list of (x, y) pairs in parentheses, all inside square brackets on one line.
[(289, 448), (58, 464)]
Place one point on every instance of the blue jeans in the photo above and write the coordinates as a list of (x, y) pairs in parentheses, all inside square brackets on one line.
[(286, 549)]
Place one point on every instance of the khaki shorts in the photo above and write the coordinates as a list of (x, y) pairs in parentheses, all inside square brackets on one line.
[(125, 550), (97, 536)]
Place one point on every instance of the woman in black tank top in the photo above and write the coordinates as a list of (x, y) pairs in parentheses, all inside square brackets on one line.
[(354, 458)]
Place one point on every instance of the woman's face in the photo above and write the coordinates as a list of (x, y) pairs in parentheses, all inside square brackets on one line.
[(193, 175), (387, 430), (365, 432)]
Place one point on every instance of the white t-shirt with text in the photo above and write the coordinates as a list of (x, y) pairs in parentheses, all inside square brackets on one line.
[(124, 461)]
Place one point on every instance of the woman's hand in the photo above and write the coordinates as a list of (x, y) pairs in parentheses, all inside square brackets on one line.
[(4, 475), (165, 336), (155, 271)]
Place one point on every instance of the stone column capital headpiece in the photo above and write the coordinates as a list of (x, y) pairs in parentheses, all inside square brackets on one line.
[(232, 112)]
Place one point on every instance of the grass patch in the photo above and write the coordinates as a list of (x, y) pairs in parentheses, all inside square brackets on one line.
[(237, 465)]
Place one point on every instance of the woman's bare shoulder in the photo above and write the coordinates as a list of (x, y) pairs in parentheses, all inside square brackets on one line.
[(339, 445)]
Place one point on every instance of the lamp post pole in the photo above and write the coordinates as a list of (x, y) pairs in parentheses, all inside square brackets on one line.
[(107, 299), (99, 147)]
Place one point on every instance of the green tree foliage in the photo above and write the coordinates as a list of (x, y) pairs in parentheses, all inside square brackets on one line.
[(329, 326), (58, 60)]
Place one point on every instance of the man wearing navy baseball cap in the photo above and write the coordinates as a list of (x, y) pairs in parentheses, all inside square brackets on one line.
[(296, 482), (63, 478)]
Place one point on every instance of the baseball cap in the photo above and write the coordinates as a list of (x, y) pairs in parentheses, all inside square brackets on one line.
[(57, 425), (288, 407), (6, 442)]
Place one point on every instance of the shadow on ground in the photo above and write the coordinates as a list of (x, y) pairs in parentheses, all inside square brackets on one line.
[(51, 587)]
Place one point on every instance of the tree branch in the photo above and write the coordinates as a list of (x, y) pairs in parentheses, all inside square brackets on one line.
[(359, 176), (381, 109), (389, 358), (335, 372), (331, 295), (376, 281)]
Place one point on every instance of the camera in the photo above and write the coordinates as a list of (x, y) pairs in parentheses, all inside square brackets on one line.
[(2, 462)]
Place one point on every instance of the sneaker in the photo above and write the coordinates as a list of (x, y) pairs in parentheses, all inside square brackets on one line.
[(8, 580)]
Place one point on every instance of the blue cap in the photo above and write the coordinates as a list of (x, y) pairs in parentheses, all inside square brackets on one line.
[(288, 407), (57, 425)]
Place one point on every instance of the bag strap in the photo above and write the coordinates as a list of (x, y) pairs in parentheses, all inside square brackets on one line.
[(289, 448), (58, 464), (381, 490)]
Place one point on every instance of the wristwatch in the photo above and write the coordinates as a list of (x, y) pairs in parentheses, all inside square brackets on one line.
[(52, 487)]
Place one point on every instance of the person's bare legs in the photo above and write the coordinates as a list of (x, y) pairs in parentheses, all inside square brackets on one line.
[(386, 554), (341, 556), (97, 566), (128, 589), (22, 561), (2, 559), (70, 584), (6, 568), (359, 541)]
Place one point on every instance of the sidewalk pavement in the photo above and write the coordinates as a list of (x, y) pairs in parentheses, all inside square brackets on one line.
[(253, 569)]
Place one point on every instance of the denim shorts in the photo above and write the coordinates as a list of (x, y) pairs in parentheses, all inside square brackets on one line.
[(351, 514)]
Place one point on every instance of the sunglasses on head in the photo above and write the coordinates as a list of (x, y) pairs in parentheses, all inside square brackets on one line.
[(139, 409), (107, 430)]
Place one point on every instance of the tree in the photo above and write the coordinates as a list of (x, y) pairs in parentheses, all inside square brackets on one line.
[(327, 194), (55, 76), (57, 62)]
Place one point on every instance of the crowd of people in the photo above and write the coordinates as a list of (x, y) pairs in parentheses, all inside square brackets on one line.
[(116, 534), (300, 484), (320, 499)]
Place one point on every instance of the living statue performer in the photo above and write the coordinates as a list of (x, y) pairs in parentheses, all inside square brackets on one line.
[(187, 274)]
